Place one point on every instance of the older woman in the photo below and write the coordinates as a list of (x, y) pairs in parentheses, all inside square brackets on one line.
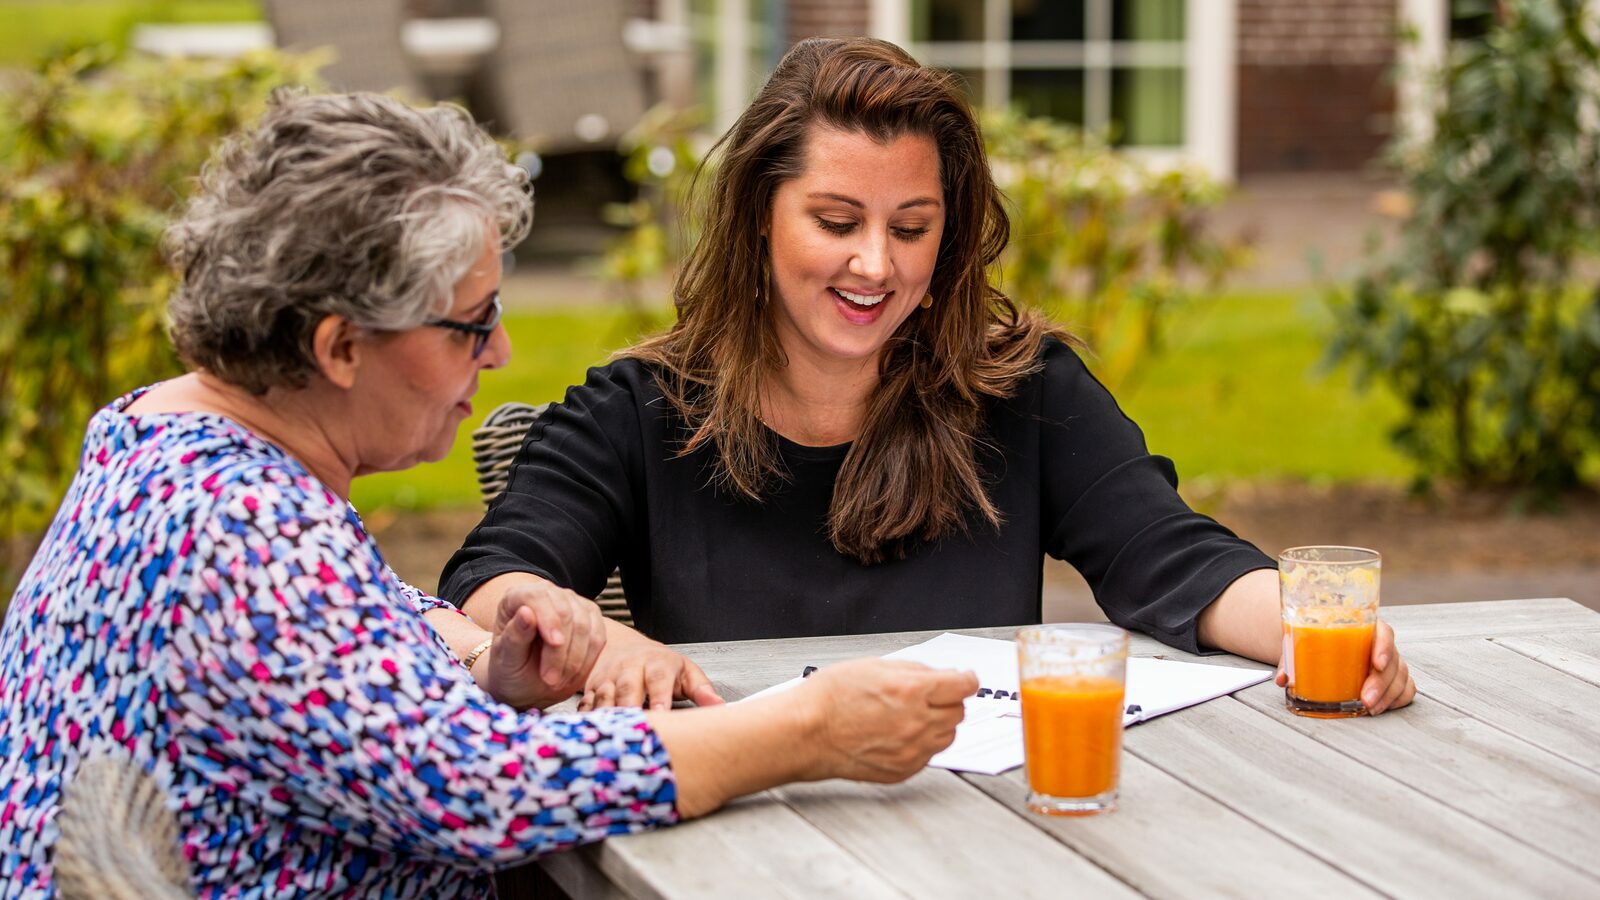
[(849, 429), (207, 603)]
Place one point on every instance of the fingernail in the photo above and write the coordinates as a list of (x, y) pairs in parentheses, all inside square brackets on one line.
[(1371, 699), (1383, 660)]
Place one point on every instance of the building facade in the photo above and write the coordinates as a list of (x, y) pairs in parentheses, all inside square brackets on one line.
[(1238, 87)]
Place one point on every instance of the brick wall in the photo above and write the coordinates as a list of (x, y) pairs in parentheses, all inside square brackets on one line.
[(825, 18), (1313, 83)]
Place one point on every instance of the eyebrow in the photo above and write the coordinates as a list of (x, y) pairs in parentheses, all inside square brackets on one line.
[(919, 201), (483, 304)]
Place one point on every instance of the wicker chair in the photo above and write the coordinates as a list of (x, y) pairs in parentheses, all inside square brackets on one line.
[(118, 839), (494, 445)]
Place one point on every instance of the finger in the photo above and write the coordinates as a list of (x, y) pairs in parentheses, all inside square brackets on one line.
[(1409, 694), (947, 687), (605, 694), (694, 685), (586, 702), (630, 687), (513, 645), (1396, 688), (555, 627), (597, 643), (1382, 646), (575, 669), (659, 678)]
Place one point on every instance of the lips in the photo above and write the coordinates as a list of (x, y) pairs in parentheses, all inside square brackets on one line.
[(859, 313)]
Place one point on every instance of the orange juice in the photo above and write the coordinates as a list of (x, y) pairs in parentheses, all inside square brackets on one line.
[(1328, 663), (1072, 732)]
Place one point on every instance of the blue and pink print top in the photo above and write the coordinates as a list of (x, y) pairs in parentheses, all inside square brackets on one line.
[(204, 605)]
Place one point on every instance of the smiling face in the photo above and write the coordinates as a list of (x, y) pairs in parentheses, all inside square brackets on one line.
[(853, 242), (419, 384)]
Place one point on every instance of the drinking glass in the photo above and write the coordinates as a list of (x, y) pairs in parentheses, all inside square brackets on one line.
[(1330, 615), (1072, 680)]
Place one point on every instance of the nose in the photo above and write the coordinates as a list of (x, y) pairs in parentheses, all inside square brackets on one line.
[(871, 260), (498, 351)]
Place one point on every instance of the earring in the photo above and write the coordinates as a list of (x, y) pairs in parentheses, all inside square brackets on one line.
[(927, 301)]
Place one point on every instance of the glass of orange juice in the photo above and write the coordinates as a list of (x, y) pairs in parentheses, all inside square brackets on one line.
[(1072, 684), (1330, 614)]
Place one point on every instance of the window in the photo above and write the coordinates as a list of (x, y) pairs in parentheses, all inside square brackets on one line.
[(1101, 64)]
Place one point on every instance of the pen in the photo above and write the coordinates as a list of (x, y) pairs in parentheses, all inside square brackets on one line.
[(983, 692)]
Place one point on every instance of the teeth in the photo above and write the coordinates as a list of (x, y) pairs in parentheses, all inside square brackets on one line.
[(861, 299)]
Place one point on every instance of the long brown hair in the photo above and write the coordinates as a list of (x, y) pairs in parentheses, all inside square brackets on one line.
[(912, 473)]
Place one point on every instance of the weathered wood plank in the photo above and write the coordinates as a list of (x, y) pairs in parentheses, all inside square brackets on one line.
[(1488, 618), (1576, 653), (1521, 697), (1550, 804), (1386, 834), (1168, 840), (937, 836), (756, 846)]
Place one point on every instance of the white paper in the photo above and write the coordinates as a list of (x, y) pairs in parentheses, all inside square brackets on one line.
[(989, 738)]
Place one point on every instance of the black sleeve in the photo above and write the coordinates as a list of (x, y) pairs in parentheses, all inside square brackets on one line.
[(1112, 510), (569, 502)]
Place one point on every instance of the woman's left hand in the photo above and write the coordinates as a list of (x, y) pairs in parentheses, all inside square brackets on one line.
[(1388, 685), (637, 671), (546, 641)]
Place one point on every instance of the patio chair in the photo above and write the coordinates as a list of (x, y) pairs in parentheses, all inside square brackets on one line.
[(365, 35), (562, 75), (119, 841), (494, 445)]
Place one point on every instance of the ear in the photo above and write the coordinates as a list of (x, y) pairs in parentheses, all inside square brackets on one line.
[(337, 351)]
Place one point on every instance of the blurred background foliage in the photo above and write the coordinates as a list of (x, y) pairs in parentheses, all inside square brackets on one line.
[(1105, 244), (95, 153), (1481, 319), (50, 27)]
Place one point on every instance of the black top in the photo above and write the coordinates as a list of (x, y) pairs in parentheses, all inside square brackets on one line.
[(598, 484)]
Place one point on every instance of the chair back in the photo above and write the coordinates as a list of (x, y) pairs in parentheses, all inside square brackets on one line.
[(495, 444), (562, 74), (364, 35), (119, 841)]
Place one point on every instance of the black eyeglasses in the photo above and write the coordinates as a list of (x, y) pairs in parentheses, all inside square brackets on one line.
[(481, 330)]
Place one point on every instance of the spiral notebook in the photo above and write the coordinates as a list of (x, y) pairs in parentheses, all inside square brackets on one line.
[(989, 738)]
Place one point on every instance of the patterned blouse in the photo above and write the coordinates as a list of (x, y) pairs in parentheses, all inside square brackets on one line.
[(205, 605)]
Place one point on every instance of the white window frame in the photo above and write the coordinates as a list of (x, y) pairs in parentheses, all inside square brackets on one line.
[(1207, 56)]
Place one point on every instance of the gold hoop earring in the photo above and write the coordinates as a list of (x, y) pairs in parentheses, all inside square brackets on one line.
[(927, 301)]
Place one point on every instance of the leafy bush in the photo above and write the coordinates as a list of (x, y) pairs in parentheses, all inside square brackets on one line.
[(659, 157), (1477, 320), (1106, 245), (95, 153)]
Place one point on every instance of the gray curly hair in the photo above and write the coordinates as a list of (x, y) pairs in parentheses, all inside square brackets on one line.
[(353, 205)]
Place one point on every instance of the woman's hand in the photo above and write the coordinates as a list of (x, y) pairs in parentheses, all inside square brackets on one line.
[(637, 671), (882, 720), (1388, 685), (546, 641)]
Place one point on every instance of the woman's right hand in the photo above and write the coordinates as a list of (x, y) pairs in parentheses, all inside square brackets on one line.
[(882, 719)]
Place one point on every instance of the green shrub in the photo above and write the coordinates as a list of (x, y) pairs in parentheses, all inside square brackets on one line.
[(1106, 245), (1477, 319), (95, 154)]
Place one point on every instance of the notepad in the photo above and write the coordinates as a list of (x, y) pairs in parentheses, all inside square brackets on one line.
[(989, 738)]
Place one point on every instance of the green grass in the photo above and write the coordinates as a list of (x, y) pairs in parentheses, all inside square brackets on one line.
[(550, 351), (1240, 395), (1235, 397), (36, 27)]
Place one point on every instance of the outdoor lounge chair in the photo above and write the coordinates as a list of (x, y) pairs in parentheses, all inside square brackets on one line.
[(365, 35)]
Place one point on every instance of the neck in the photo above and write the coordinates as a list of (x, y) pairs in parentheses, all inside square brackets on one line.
[(819, 405), (287, 418)]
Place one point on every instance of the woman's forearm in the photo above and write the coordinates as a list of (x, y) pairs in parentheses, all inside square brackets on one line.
[(1246, 620), (722, 752)]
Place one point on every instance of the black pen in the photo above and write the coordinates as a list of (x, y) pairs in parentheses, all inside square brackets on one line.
[(983, 692)]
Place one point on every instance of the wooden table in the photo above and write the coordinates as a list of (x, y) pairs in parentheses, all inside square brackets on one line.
[(1489, 784)]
